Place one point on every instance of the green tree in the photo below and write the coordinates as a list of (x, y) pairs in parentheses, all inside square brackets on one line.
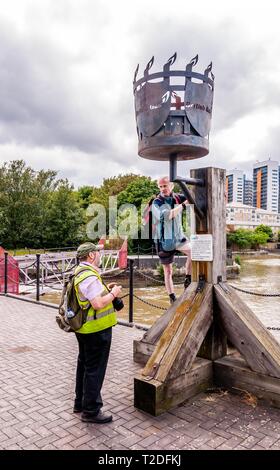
[(23, 195), (258, 238), (36, 208), (278, 236), (111, 187), (241, 237), (84, 196), (63, 218), (265, 229), (138, 191), (244, 238)]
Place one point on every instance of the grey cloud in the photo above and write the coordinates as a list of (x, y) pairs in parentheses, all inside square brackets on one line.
[(39, 103), (269, 147), (240, 66), (46, 102)]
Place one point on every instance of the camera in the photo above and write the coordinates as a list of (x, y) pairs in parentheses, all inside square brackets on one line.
[(118, 303)]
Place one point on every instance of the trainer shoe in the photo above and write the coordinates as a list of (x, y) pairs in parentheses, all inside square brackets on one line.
[(172, 298), (100, 418), (187, 281)]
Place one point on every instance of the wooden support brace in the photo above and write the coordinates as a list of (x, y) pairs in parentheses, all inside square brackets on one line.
[(156, 397), (175, 354), (181, 340), (233, 373), (246, 332), (143, 349)]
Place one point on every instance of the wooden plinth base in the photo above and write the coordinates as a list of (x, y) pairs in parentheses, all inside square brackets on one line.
[(199, 324), (156, 397), (234, 374)]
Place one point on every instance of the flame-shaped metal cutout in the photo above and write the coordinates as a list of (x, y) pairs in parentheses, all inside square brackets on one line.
[(192, 62), (170, 61), (208, 69), (149, 65), (136, 73)]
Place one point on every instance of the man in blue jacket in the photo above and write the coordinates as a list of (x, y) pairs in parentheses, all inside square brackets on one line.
[(169, 237)]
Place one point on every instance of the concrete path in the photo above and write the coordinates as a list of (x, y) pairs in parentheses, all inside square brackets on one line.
[(37, 369)]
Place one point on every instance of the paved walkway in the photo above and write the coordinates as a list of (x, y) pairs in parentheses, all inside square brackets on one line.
[(37, 364)]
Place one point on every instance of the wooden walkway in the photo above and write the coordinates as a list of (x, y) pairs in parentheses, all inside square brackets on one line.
[(37, 369)]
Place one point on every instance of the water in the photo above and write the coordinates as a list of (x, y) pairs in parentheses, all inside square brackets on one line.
[(261, 275), (258, 274)]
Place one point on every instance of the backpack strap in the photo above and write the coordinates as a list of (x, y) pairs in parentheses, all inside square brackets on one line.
[(82, 270), (177, 198), (63, 295)]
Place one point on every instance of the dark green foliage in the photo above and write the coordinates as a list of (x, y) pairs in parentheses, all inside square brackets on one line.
[(265, 229), (244, 238), (36, 208)]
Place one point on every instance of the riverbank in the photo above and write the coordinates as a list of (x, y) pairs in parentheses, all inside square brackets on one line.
[(37, 390)]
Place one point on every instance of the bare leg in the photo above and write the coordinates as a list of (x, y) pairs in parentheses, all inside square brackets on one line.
[(167, 269), (186, 250)]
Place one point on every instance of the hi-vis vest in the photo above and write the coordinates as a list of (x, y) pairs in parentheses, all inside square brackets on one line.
[(97, 320)]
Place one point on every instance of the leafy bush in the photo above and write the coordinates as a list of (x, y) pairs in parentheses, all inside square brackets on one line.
[(245, 238), (265, 229), (237, 260)]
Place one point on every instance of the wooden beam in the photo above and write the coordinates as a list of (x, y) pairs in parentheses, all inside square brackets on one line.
[(247, 333), (156, 397), (179, 344), (142, 349), (234, 373), (214, 345), (215, 203)]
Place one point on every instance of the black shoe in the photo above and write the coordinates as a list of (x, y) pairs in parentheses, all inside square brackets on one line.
[(77, 409), (100, 418), (187, 281), (172, 298)]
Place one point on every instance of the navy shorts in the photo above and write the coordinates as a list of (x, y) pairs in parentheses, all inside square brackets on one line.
[(165, 257)]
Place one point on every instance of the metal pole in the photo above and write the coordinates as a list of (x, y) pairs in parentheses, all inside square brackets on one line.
[(38, 277), (192, 181), (130, 312), (173, 167), (6, 254), (191, 200)]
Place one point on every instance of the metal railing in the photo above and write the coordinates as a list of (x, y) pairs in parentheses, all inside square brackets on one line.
[(130, 272)]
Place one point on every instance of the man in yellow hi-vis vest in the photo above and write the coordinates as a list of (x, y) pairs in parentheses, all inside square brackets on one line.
[(94, 337)]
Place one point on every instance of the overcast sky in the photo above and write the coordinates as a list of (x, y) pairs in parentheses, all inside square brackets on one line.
[(67, 66)]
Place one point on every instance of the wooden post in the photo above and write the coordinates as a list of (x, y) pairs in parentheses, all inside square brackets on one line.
[(6, 264), (130, 312), (199, 323), (215, 206)]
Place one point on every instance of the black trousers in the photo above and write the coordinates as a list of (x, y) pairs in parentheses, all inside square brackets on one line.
[(94, 349)]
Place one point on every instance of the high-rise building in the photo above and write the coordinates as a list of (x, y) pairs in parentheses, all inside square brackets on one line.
[(266, 185), (247, 191), (234, 186), (279, 188)]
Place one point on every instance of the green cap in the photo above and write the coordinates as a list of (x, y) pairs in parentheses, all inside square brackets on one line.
[(86, 248)]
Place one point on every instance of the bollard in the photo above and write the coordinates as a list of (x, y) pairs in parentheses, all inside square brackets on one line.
[(6, 254), (37, 277), (138, 254), (130, 312)]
